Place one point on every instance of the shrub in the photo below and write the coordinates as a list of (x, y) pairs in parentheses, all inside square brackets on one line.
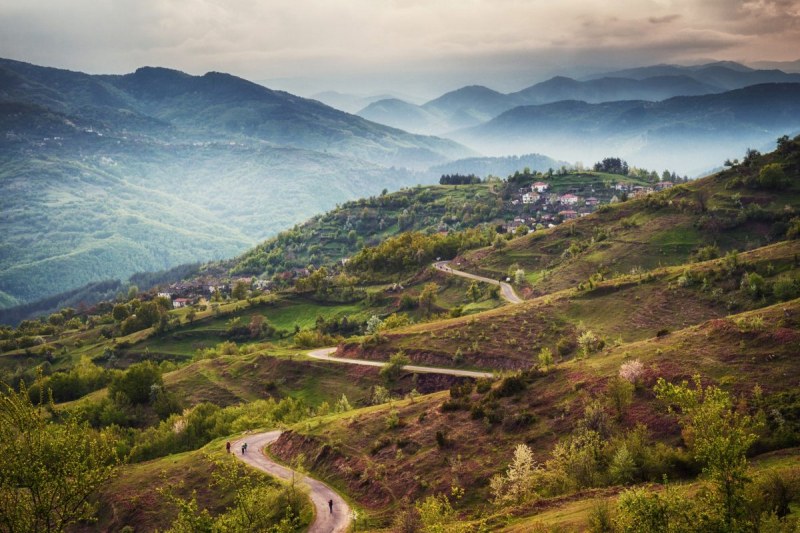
[(601, 518), (632, 371), (518, 421), (772, 176), (753, 284), (441, 440), (785, 289), (510, 386), (564, 346), (620, 394), (394, 368), (483, 385), (545, 358)]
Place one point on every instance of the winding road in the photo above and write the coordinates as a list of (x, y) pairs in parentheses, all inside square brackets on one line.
[(324, 354), (506, 290), (338, 520), (325, 520)]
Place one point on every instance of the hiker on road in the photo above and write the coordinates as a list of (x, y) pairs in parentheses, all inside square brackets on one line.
[(228, 447), (330, 505)]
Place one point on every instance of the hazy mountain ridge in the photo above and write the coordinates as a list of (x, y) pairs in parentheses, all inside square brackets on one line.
[(703, 129), (472, 105), (105, 176)]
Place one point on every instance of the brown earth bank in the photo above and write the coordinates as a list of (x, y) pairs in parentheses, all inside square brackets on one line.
[(429, 357), (412, 449)]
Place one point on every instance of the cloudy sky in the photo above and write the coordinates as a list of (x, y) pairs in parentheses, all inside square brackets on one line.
[(414, 47)]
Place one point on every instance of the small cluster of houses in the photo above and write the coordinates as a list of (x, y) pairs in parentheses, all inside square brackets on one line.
[(190, 292), (554, 208)]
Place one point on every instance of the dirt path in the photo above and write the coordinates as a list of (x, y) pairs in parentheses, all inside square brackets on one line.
[(506, 290), (324, 354), (320, 494)]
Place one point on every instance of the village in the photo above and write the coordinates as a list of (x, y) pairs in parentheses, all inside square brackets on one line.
[(539, 206)]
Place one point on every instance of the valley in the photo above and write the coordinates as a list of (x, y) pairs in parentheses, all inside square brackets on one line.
[(413, 377)]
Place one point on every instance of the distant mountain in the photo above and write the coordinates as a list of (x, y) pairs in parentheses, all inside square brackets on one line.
[(724, 75), (351, 103), (689, 134), (105, 176), (612, 89), (405, 116), (786, 66), (474, 105), (499, 166)]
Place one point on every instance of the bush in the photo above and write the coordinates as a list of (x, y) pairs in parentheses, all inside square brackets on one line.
[(565, 346), (785, 289), (136, 383), (483, 385), (772, 176), (518, 421), (510, 386), (394, 368)]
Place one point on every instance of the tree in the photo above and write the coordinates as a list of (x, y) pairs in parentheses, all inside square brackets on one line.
[(516, 486), (545, 358), (120, 312), (427, 297), (719, 437), (48, 470), (137, 382), (240, 289), (474, 292)]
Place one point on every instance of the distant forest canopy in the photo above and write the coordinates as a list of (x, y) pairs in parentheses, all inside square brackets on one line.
[(458, 179)]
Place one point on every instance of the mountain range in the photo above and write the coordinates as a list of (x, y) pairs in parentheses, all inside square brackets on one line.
[(105, 176), (473, 105), (702, 129)]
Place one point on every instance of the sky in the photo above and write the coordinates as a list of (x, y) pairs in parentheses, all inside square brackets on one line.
[(418, 48)]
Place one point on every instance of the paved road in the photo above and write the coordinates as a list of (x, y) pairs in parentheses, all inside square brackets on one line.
[(325, 521), (324, 354), (339, 520), (506, 290)]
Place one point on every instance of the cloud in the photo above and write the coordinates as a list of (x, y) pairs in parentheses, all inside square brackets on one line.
[(390, 40), (666, 19)]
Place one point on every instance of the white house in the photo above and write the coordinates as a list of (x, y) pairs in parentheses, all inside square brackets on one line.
[(540, 186), (568, 199), (530, 198)]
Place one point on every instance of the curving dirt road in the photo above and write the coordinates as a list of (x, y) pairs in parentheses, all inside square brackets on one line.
[(320, 494), (324, 354), (506, 290)]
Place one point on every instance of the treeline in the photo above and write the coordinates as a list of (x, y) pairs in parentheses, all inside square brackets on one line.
[(412, 250), (612, 165), (459, 179), (83, 296)]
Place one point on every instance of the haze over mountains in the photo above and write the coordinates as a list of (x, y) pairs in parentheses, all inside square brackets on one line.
[(473, 105), (107, 175), (706, 113), (104, 176)]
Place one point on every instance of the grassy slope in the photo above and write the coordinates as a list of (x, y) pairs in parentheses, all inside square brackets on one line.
[(663, 229), (358, 454), (626, 309)]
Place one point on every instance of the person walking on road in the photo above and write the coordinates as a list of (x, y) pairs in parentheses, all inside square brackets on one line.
[(244, 448), (330, 505), (228, 447)]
